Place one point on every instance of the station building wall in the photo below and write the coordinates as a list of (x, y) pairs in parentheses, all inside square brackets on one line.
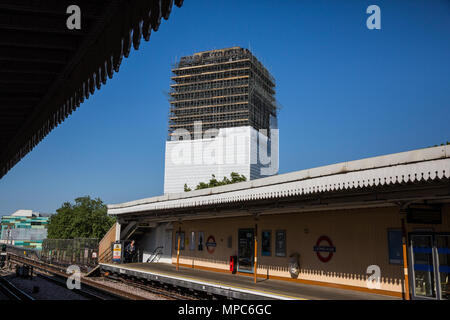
[(360, 237)]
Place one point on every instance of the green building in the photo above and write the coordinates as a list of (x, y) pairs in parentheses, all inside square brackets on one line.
[(24, 228)]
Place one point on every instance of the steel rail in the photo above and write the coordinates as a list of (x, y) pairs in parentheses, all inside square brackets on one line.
[(121, 294), (118, 293), (12, 292), (152, 289), (62, 283)]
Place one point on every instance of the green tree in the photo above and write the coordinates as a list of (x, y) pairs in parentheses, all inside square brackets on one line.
[(213, 182), (86, 218), (442, 144)]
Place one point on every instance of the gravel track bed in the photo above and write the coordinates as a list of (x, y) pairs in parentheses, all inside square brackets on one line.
[(4, 273), (122, 286), (47, 289), (3, 297)]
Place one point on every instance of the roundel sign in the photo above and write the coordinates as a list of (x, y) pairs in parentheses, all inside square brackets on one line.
[(324, 249), (211, 244)]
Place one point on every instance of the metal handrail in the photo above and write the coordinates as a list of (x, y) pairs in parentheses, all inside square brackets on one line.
[(158, 250)]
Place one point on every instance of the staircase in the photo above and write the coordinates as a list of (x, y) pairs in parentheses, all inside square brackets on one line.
[(104, 247), (156, 255)]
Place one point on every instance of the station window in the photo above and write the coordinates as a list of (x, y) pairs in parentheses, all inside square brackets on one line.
[(192, 243), (201, 240), (280, 243), (395, 246), (266, 243), (181, 236)]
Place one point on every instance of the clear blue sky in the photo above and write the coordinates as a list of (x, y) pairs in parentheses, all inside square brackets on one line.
[(347, 93)]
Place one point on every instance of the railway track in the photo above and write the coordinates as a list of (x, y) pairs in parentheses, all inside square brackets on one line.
[(62, 283), (91, 289), (95, 290), (169, 294), (12, 292)]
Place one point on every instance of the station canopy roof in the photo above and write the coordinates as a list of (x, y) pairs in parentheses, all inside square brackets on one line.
[(382, 180), (47, 70)]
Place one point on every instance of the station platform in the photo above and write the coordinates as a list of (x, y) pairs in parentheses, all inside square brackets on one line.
[(236, 286)]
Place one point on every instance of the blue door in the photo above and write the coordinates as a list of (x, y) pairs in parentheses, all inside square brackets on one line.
[(430, 258), (443, 255), (423, 266)]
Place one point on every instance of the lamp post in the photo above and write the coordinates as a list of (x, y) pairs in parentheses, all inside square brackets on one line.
[(256, 251), (178, 248), (405, 262)]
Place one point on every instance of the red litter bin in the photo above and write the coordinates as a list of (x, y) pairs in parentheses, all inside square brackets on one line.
[(233, 264)]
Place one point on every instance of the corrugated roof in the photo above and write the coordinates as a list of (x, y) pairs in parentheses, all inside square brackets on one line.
[(412, 166)]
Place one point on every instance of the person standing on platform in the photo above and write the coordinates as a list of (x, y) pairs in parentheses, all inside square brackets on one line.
[(130, 251)]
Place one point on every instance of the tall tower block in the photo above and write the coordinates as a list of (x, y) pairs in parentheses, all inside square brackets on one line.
[(222, 119)]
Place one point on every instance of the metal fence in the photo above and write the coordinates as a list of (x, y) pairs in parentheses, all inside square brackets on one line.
[(65, 252), (24, 252)]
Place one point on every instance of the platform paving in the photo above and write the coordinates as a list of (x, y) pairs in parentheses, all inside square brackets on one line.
[(265, 288)]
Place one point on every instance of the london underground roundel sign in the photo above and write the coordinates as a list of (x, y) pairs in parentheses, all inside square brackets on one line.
[(324, 249), (211, 244)]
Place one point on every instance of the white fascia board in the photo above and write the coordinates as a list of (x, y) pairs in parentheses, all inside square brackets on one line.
[(422, 164)]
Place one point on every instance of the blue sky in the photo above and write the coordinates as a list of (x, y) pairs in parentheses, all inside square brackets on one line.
[(347, 93)]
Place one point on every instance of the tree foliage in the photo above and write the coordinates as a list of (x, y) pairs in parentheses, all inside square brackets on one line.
[(86, 218), (442, 144), (234, 177)]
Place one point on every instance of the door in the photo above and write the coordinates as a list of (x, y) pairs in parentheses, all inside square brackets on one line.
[(246, 250), (443, 255), (430, 260), (423, 266)]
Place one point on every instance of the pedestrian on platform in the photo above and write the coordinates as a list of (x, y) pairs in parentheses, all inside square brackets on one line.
[(130, 251)]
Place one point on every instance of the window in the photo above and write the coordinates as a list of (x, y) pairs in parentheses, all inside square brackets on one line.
[(266, 243), (201, 240), (395, 246), (181, 236), (192, 243), (280, 243)]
